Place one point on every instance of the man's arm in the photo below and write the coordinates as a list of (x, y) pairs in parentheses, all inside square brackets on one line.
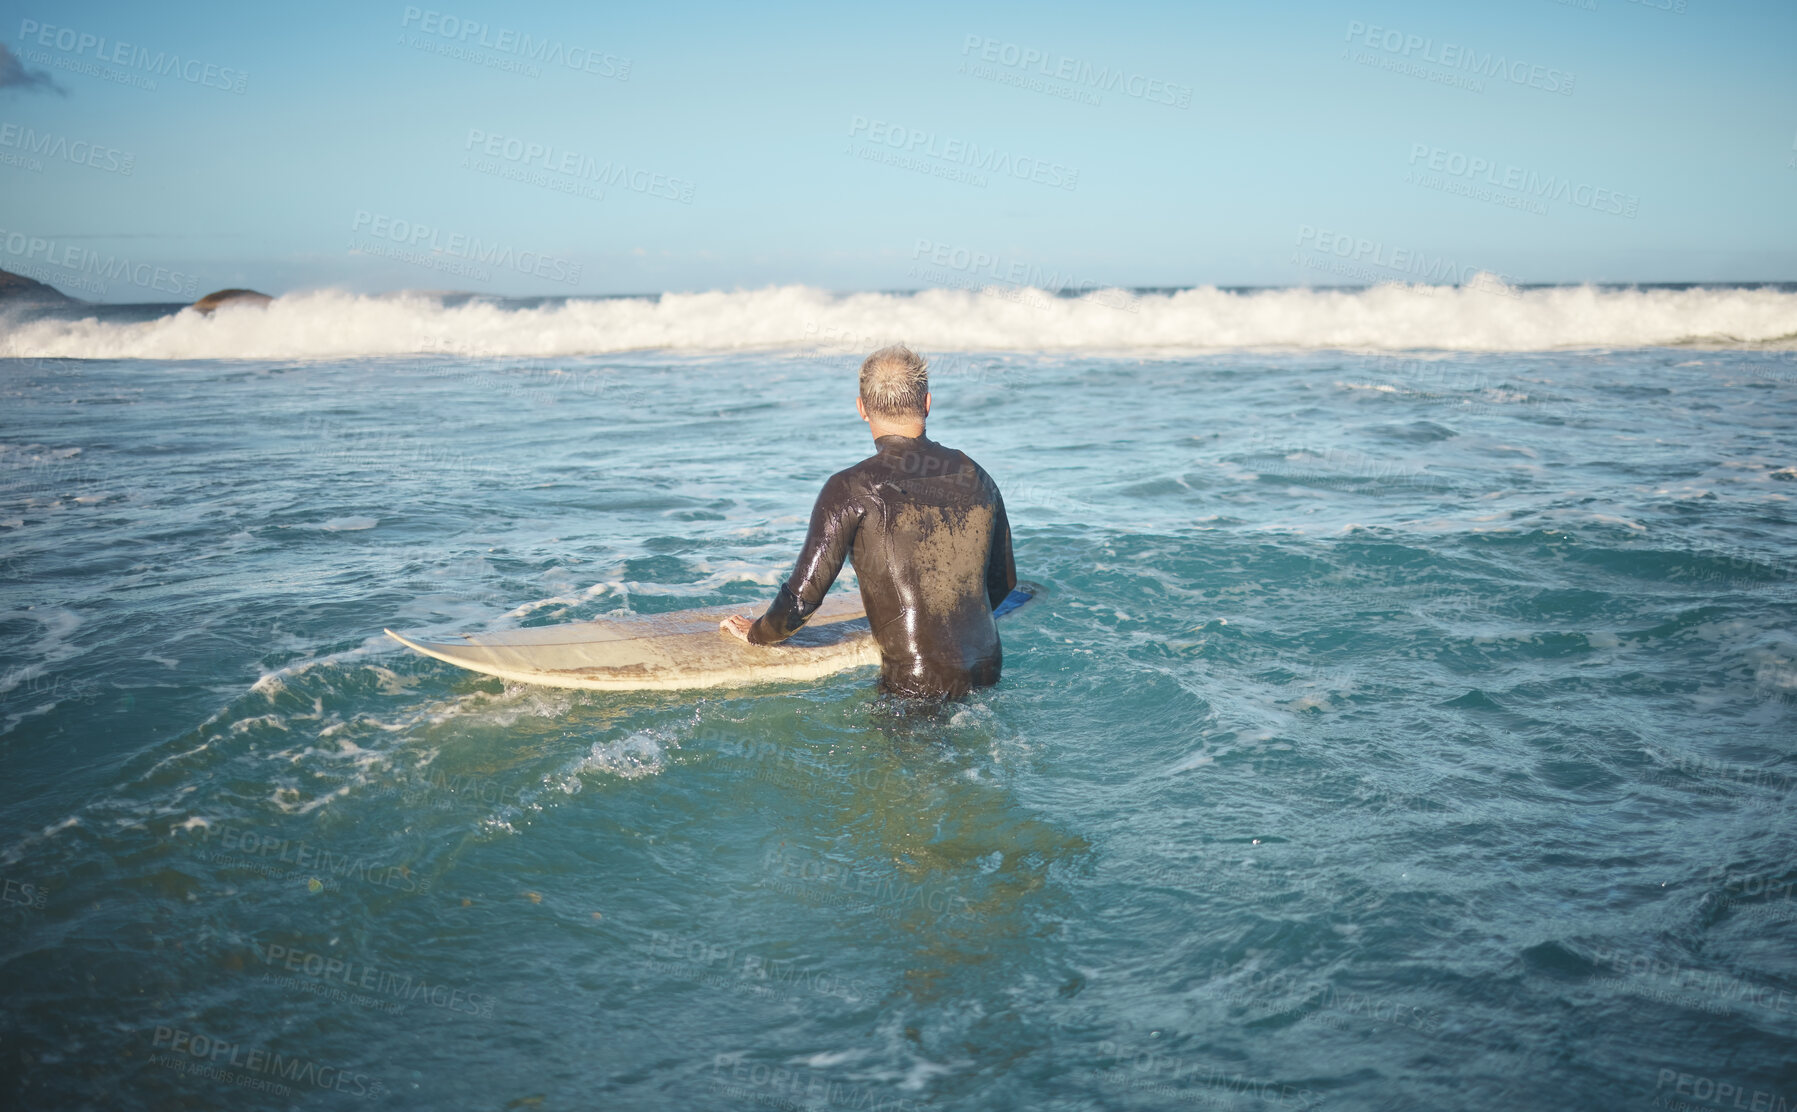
[(1001, 570), (834, 520)]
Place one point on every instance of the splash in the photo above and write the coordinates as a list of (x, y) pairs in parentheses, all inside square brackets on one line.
[(631, 757)]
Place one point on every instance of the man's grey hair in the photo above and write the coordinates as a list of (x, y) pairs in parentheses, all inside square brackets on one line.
[(894, 382)]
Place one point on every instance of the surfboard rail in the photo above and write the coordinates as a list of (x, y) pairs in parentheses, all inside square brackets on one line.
[(678, 651)]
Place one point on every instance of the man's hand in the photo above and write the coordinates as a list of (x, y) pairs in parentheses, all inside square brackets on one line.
[(737, 625)]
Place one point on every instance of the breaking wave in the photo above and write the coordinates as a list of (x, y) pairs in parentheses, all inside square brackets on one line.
[(1484, 315)]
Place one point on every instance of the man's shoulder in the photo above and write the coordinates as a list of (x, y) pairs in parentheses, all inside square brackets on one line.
[(854, 480), (860, 471), (968, 460), (969, 464)]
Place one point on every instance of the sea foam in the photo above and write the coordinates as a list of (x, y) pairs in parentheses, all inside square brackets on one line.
[(1482, 316)]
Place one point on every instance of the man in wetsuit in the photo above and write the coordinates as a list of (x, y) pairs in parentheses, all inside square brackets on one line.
[(927, 531)]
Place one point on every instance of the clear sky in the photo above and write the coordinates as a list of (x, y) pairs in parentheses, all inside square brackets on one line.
[(717, 146)]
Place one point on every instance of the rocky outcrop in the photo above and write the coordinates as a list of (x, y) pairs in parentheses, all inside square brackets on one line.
[(17, 287)]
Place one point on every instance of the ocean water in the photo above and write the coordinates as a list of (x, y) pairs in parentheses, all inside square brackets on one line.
[(1407, 722)]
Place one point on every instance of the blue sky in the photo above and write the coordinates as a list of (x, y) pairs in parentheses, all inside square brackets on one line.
[(892, 147)]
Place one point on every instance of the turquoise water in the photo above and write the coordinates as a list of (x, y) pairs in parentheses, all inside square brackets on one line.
[(1397, 731)]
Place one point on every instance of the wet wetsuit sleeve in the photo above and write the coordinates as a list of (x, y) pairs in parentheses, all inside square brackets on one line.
[(1001, 569), (834, 520)]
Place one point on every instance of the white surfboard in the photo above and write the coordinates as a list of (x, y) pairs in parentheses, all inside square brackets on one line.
[(673, 652)]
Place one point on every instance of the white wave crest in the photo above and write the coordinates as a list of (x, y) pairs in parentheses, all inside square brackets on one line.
[(1482, 316)]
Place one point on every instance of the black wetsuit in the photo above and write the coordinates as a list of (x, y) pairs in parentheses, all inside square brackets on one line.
[(926, 529)]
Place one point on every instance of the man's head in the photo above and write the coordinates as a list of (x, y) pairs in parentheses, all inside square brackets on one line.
[(895, 387)]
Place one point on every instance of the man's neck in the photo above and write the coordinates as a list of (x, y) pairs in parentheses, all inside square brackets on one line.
[(910, 432)]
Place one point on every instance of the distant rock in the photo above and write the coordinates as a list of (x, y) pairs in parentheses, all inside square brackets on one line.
[(17, 287), (213, 300)]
